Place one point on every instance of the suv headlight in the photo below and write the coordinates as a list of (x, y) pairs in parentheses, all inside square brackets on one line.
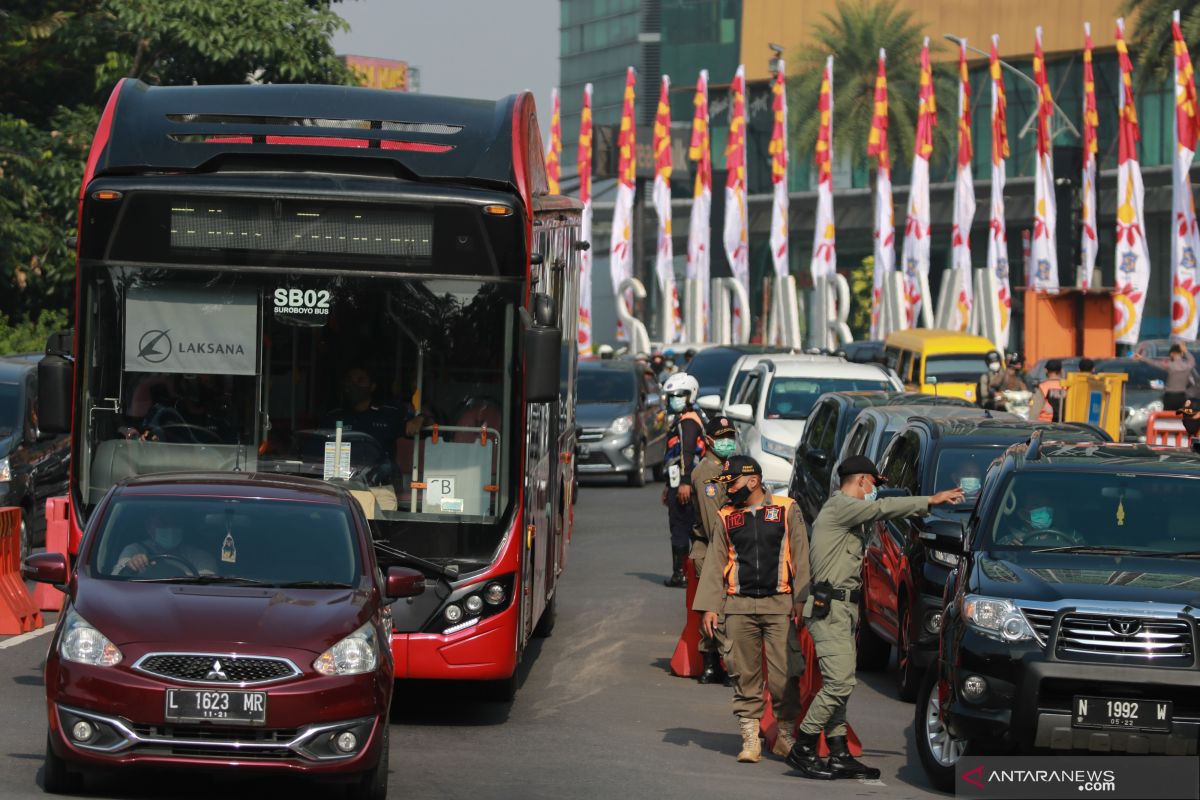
[(621, 425), (83, 644), (777, 448), (354, 655), (943, 558), (996, 618), (5, 470)]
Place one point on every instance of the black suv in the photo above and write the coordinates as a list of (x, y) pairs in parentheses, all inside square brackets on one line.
[(901, 601), (1071, 622), (33, 465)]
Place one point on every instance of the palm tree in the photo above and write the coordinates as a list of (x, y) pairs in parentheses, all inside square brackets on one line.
[(1150, 37), (853, 34)]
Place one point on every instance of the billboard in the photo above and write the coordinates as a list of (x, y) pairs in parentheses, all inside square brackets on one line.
[(383, 73)]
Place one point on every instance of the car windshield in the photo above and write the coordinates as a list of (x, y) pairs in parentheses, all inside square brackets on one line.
[(226, 540), (963, 468), (10, 417), (1153, 513), (605, 386), (711, 367), (793, 398), (958, 368), (1141, 375)]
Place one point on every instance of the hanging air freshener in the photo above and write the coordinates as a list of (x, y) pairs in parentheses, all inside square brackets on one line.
[(229, 550), (1121, 512)]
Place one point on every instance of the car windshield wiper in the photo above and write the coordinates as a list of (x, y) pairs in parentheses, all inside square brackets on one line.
[(314, 585), (1182, 554), (1088, 548), (202, 580)]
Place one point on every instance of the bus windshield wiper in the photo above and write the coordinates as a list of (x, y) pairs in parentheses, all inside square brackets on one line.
[(443, 574), (314, 585), (1093, 549)]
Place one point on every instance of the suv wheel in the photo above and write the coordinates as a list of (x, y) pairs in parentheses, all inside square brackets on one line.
[(873, 651), (939, 751), (908, 674), (638, 476), (56, 778)]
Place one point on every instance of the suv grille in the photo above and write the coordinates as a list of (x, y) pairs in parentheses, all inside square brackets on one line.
[(1163, 641), (209, 668), (1040, 620)]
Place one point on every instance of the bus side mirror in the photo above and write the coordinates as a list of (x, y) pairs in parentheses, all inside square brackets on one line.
[(55, 375), (543, 349)]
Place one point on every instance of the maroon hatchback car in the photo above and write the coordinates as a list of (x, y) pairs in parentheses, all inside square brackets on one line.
[(220, 622)]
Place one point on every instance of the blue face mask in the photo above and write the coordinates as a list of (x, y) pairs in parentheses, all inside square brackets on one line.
[(969, 485), (724, 448), (871, 495), (676, 402), (1041, 517)]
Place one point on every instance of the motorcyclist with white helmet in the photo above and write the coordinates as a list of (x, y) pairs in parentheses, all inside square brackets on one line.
[(685, 446)]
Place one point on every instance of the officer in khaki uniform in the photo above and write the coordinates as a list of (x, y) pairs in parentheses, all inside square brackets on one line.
[(756, 574), (838, 540), (708, 498)]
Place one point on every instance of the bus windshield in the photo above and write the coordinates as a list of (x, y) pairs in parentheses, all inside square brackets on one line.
[(400, 387)]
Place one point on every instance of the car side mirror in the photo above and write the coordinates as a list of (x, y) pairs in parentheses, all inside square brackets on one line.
[(49, 568), (710, 402), (55, 376), (817, 458), (742, 412), (403, 582), (653, 400)]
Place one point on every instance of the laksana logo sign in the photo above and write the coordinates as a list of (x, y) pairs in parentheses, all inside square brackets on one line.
[(155, 347), (191, 330)]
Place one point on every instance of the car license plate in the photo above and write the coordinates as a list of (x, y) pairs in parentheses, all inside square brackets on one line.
[(207, 705), (1112, 712)]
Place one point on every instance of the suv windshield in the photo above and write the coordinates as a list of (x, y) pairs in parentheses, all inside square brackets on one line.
[(605, 386), (219, 539), (1152, 513), (961, 368), (10, 417), (793, 398)]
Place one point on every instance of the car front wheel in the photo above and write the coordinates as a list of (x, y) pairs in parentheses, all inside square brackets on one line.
[(908, 674), (638, 476), (940, 752), (56, 777), (373, 785)]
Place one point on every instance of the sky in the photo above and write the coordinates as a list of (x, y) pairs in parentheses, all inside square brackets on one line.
[(464, 48)]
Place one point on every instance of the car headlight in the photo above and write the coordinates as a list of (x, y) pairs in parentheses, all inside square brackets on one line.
[(5, 470), (354, 655), (83, 644), (943, 558), (778, 448), (996, 618), (621, 425)]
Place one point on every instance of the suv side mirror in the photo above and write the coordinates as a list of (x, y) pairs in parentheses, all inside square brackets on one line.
[(403, 582), (817, 458), (543, 351), (947, 538), (55, 375), (742, 412), (710, 402)]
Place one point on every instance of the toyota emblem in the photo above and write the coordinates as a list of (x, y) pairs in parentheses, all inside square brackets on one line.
[(1125, 627)]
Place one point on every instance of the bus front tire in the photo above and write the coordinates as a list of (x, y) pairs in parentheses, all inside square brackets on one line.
[(545, 625)]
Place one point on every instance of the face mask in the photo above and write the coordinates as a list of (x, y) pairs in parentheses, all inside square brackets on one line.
[(1041, 517), (871, 495), (724, 448), (969, 485), (739, 497), (168, 538), (676, 402)]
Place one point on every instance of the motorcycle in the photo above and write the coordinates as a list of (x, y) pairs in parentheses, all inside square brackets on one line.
[(1015, 402)]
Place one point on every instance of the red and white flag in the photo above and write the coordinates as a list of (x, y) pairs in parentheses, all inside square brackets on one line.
[(584, 165), (964, 202), (1185, 245), (997, 254), (1044, 257), (779, 177), (554, 151), (699, 227), (664, 259), (885, 215), (917, 226), (621, 242), (736, 211), (1089, 245), (1133, 256), (824, 252)]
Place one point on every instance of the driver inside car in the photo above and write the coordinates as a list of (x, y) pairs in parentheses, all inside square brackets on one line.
[(1036, 523), (163, 543)]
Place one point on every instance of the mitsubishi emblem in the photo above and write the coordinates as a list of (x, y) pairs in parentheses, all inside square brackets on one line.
[(216, 673)]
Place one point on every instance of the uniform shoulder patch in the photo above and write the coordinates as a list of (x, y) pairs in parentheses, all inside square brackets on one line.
[(710, 490), (772, 514), (736, 519)]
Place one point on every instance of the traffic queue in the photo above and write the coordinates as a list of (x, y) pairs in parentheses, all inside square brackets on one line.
[(865, 547)]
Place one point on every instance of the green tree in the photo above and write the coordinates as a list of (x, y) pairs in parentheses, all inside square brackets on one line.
[(1149, 35)]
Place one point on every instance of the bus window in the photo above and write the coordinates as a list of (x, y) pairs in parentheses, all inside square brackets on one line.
[(904, 365)]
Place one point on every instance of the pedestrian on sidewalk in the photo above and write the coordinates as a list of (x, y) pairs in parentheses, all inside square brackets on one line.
[(1180, 365), (756, 574)]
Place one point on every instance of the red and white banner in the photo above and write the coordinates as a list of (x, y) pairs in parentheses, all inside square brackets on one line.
[(1089, 245), (779, 177), (699, 227), (1185, 245), (1133, 256), (621, 243), (1044, 257), (584, 164), (964, 202), (736, 238), (824, 252), (917, 225), (885, 215), (997, 253), (554, 151), (664, 259)]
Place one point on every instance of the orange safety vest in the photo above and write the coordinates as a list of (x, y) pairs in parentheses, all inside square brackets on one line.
[(760, 552), (1052, 409)]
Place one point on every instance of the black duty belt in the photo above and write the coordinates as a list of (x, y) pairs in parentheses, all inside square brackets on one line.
[(846, 595)]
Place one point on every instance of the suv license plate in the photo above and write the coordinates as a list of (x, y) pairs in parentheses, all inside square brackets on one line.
[(1112, 712), (204, 705)]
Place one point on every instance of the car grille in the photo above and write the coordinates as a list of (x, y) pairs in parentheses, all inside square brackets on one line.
[(1040, 620), (193, 741), (1166, 642), (197, 733), (591, 434), (208, 667)]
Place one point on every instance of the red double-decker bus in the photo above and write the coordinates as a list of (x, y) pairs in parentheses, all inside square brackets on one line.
[(362, 286)]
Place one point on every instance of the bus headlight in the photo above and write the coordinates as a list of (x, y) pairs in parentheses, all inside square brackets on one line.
[(494, 594)]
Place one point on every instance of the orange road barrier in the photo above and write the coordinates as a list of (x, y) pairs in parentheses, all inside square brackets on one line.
[(810, 684), (17, 612), (1165, 428), (58, 533), (686, 662)]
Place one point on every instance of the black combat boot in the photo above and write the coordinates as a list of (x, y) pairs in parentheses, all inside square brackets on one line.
[(678, 554), (712, 669), (805, 759), (844, 765)]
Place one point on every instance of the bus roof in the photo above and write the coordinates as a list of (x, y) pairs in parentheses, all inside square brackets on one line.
[(936, 340), (494, 144)]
